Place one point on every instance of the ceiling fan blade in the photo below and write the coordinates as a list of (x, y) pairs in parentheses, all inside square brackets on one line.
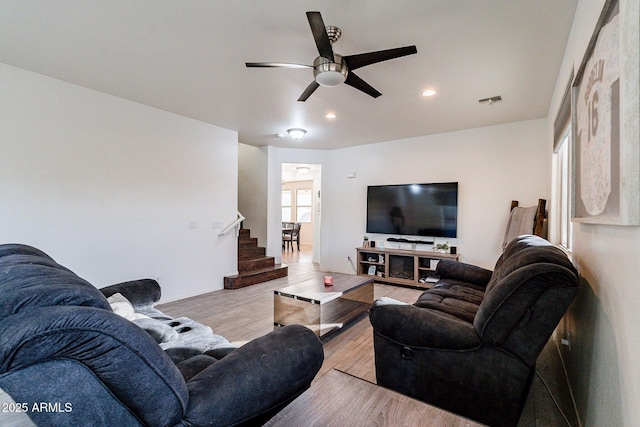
[(275, 65), (308, 91), (358, 83), (356, 61), (320, 36)]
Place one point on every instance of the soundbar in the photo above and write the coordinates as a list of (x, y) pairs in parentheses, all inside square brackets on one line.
[(418, 242)]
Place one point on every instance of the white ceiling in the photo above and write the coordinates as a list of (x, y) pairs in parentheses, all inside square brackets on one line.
[(188, 57)]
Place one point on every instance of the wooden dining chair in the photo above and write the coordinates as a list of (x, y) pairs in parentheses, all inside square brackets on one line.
[(293, 235)]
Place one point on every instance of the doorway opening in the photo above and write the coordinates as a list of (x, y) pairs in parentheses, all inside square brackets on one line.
[(301, 206)]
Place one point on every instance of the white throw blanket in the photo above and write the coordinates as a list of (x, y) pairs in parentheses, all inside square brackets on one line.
[(520, 222), (168, 332)]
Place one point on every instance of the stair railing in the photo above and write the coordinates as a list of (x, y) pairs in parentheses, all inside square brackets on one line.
[(235, 224)]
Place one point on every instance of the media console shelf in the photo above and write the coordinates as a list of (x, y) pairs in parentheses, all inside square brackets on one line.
[(400, 266)]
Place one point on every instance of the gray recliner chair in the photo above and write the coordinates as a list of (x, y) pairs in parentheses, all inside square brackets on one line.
[(469, 344)]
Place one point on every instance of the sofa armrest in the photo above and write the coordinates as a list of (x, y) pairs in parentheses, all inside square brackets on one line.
[(456, 270), (138, 292), (103, 351), (420, 327), (255, 379)]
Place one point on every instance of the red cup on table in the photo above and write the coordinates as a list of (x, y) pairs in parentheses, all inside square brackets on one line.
[(328, 280)]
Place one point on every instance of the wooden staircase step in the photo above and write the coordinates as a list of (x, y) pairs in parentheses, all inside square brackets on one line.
[(247, 242), (253, 277), (253, 264), (251, 252), (258, 263)]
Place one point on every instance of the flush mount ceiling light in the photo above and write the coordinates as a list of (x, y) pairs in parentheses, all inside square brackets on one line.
[(296, 133), (303, 169), (429, 92), (331, 116)]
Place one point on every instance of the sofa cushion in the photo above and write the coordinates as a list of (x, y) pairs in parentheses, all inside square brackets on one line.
[(428, 328), (20, 249), (469, 274), (465, 291), (454, 298), (30, 280), (194, 365)]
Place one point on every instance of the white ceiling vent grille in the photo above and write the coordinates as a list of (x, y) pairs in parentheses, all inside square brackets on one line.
[(490, 101)]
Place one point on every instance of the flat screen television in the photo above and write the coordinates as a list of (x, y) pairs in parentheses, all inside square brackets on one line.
[(413, 209)]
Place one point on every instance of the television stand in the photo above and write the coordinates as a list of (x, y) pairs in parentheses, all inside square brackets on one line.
[(401, 266)]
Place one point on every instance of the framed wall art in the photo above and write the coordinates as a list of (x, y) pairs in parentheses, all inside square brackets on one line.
[(606, 176)]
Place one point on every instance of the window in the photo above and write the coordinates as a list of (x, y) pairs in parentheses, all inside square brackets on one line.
[(286, 205), (303, 205), (565, 226), (562, 149)]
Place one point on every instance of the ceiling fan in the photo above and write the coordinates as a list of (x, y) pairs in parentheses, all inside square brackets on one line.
[(331, 69)]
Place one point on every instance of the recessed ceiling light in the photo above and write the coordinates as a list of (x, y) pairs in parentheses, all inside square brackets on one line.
[(331, 116), (429, 92)]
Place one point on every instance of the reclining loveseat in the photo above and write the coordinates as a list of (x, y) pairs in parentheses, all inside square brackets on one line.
[(66, 359), (469, 344)]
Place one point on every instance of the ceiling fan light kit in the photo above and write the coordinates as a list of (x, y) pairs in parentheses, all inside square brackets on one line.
[(331, 69), (330, 73)]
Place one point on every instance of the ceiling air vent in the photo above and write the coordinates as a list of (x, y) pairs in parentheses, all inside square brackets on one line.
[(490, 101)]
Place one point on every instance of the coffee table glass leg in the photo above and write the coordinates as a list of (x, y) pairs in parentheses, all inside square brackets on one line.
[(289, 311)]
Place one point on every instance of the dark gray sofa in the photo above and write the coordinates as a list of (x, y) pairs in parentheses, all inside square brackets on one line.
[(61, 344), (470, 343)]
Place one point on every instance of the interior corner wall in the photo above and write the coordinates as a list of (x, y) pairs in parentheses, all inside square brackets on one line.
[(603, 323), (115, 190), (492, 165), (252, 190)]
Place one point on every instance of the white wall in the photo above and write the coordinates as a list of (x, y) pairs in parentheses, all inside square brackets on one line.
[(604, 321), (493, 165), (252, 189), (109, 188)]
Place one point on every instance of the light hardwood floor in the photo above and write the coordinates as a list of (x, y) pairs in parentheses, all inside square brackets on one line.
[(241, 315)]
